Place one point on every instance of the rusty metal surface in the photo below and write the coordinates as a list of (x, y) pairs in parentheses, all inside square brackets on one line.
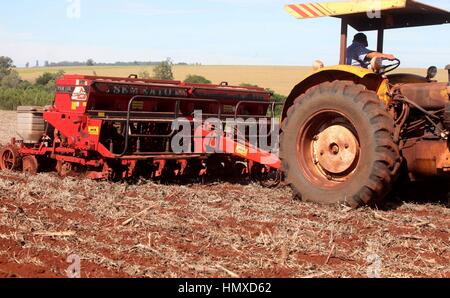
[(336, 149), (427, 157), (9, 158), (30, 165), (328, 149), (406, 78), (64, 169), (427, 95), (448, 84)]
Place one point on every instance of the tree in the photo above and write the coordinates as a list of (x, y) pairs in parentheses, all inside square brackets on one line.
[(163, 71), (247, 85), (44, 78), (27, 65), (12, 80), (144, 75), (46, 64), (90, 62), (48, 78), (24, 85), (6, 65), (10, 98), (276, 97), (196, 79), (37, 63)]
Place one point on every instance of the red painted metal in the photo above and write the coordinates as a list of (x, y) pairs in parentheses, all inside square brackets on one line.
[(93, 118)]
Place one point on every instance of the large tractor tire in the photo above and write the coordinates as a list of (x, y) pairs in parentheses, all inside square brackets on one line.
[(337, 146)]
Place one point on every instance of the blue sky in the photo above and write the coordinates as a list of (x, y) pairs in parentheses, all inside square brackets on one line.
[(250, 32)]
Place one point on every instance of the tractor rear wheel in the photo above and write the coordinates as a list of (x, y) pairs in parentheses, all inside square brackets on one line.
[(336, 146)]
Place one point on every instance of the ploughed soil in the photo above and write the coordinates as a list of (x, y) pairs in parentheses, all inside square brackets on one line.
[(219, 229)]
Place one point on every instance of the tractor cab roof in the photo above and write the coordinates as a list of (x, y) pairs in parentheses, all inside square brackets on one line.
[(367, 15)]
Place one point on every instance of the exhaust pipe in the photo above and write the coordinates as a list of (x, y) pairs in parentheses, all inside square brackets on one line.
[(447, 106), (448, 85)]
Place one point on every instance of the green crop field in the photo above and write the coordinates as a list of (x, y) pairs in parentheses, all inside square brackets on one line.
[(279, 78)]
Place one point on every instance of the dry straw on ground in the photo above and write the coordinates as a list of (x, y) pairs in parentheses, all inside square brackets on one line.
[(216, 230)]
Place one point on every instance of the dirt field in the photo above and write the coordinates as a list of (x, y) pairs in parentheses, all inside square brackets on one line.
[(215, 230), (279, 78)]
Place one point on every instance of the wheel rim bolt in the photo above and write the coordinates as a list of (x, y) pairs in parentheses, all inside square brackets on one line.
[(335, 149)]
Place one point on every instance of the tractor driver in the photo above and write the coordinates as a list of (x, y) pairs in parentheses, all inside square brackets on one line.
[(359, 55)]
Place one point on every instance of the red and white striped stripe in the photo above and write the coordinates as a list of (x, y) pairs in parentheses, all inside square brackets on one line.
[(308, 10)]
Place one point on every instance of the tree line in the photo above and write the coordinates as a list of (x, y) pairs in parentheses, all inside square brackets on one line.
[(14, 91), (91, 62)]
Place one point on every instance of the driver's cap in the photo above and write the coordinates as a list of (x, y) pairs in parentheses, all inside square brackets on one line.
[(361, 37)]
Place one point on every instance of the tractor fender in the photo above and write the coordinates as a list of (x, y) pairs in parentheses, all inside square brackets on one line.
[(339, 73)]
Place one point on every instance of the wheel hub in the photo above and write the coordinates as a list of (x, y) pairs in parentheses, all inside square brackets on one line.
[(335, 149), (9, 159)]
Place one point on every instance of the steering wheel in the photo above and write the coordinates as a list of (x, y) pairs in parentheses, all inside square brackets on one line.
[(390, 67)]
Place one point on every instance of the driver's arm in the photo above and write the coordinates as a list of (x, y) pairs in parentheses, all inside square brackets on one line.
[(372, 55)]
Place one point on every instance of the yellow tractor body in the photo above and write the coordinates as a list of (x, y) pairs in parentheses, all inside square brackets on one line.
[(347, 131), (364, 15)]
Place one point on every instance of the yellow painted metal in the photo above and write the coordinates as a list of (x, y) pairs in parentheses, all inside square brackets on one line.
[(383, 92), (358, 71), (368, 78), (361, 73), (323, 9), (94, 130)]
